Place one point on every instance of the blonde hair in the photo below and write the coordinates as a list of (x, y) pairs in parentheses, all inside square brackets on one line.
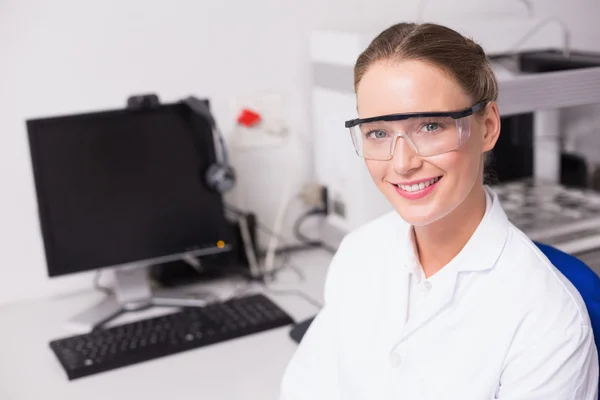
[(458, 56)]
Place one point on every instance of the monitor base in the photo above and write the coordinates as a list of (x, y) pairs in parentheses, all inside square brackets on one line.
[(132, 292)]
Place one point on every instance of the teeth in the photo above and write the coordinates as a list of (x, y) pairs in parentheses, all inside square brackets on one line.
[(418, 186)]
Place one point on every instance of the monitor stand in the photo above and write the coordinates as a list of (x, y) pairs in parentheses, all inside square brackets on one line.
[(132, 292)]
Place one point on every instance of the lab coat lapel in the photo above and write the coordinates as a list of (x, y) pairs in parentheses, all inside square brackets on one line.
[(397, 279), (439, 298), (479, 254), (401, 300), (400, 274)]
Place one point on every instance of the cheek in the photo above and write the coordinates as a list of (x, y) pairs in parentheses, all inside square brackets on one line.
[(460, 166), (465, 160), (377, 170)]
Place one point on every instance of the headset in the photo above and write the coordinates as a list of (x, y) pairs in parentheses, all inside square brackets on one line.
[(220, 176)]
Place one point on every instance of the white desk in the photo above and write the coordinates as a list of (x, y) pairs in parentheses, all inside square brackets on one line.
[(247, 368)]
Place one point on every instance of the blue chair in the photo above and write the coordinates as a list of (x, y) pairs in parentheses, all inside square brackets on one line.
[(583, 278)]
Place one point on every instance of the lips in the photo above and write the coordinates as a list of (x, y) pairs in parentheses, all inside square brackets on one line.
[(418, 186), (417, 190)]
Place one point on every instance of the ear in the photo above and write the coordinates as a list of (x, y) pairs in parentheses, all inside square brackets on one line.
[(491, 123)]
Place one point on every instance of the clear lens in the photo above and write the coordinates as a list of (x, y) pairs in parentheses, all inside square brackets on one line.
[(426, 136)]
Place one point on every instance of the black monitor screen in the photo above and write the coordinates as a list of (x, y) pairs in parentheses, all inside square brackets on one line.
[(124, 186)]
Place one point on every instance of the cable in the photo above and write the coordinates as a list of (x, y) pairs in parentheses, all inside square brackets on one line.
[(295, 292), (249, 246), (292, 292), (529, 7), (296, 248), (259, 225), (303, 238), (244, 289), (423, 4), (284, 204), (285, 249), (271, 275), (224, 152), (537, 27), (98, 286), (251, 249), (298, 224), (200, 107)]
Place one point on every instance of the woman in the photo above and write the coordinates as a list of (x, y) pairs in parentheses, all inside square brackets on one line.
[(443, 298)]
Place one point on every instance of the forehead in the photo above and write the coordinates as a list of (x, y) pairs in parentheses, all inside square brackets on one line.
[(409, 86)]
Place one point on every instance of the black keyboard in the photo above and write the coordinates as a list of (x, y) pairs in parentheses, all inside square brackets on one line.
[(107, 349)]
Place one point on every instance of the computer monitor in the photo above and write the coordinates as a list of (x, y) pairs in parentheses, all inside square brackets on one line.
[(125, 189)]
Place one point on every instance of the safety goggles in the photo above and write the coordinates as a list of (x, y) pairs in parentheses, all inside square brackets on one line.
[(427, 133)]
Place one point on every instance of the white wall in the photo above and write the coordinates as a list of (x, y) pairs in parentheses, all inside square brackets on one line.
[(68, 56)]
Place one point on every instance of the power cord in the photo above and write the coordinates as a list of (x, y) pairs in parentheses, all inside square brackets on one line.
[(266, 276), (301, 220), (295, 292), (259, 225), (529, 6), (566, 50), (305, 239), (270, 275), (262, 282), (289, 292), (98, 286), (307, 243), (284, 292), (285, 251), (422, 5)]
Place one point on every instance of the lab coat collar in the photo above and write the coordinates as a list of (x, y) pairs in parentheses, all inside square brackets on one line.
[(480, 253), (487, 242), (483, 248)]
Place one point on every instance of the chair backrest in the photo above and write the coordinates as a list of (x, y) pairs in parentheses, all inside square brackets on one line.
[(583, 278)]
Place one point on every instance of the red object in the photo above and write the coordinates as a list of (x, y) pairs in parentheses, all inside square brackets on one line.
[(248, 118)]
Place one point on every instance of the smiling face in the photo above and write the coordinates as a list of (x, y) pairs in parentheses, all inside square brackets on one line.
[(415, 86)]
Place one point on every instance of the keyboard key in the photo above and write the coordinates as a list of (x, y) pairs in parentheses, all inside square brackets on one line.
[(107, 349)]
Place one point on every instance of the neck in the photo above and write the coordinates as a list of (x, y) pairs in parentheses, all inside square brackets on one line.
[(438, 243)]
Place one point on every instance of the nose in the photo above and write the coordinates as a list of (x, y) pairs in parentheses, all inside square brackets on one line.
[(404, 157)]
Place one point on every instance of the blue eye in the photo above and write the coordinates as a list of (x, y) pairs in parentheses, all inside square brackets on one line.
[(431, 127), (376, 134)]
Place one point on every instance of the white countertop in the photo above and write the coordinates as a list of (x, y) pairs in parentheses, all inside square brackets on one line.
[(246, 368)]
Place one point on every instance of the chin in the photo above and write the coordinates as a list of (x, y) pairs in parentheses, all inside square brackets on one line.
[(416, 218), (421, 212)]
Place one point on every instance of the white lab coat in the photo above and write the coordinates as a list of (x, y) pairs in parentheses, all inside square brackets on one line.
[(505, 324)]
